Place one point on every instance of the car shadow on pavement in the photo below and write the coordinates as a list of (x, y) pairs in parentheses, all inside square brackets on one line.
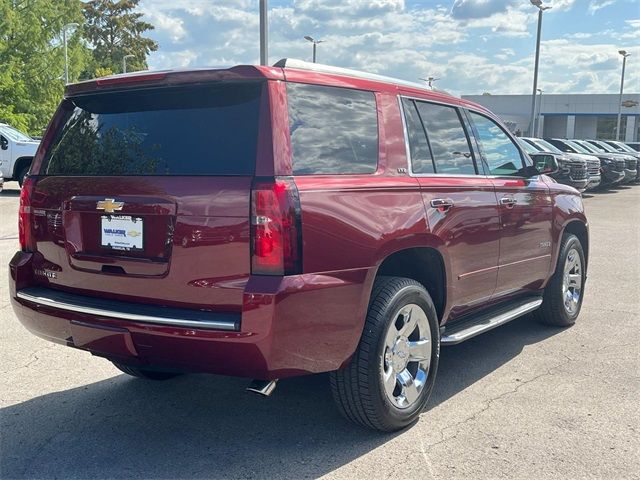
[(607, 191), (198, 426), (10, 192)]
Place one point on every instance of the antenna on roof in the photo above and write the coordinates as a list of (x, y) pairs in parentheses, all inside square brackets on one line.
[(430, 81)]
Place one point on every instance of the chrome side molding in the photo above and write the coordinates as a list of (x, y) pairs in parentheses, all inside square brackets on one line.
[(485, 324)]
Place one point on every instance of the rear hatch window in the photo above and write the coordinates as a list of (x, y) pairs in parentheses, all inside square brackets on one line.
[(204, 130)]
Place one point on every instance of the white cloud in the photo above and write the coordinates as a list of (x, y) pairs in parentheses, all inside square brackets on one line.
[(595, 5), (505, 53), (171, 26), (180, 59), (470, 52)]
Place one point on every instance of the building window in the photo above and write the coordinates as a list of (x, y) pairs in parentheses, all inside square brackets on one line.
[(606, 127)]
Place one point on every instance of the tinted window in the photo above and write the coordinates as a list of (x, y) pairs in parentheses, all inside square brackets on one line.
[(207, 130), (449, 145), (333, 130), (501, 154), (421, 159)]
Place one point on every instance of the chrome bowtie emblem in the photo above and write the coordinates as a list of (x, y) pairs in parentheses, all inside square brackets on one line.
[(109, 205)]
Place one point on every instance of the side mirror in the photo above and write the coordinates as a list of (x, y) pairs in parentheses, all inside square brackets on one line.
[(545, 164), (4, 143)]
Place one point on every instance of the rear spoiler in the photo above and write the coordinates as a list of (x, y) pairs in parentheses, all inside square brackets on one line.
[(172, 77)]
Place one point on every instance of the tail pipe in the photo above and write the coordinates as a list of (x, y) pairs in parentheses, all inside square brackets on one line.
[(262, 387)]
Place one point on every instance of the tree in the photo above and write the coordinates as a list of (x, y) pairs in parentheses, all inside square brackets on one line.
[(114, 30), (32, 59)]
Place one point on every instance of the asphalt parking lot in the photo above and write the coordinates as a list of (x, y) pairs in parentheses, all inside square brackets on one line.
[(522, 401)]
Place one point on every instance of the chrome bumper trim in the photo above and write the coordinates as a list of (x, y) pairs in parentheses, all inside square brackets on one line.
[(122, 314)]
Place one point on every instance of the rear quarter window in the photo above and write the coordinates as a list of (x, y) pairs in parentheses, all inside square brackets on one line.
[(333, 130)]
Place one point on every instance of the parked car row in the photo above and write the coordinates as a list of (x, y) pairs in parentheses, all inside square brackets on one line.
[(586, 164)]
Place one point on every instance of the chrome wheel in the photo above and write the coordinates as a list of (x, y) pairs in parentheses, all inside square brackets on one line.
[(572, 281), (407, 356)]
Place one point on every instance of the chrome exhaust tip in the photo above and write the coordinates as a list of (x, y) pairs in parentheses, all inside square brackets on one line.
[(262, 387)]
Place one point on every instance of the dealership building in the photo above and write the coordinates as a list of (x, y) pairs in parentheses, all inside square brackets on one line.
[(567, 116)]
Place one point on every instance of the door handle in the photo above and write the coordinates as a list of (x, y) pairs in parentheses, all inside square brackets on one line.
[(442, 204), (508, 202)]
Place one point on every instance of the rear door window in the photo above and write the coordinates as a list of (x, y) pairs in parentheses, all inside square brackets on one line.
[(333, 130), (449, 144), (502, 155), (204, 130), (419, 150)]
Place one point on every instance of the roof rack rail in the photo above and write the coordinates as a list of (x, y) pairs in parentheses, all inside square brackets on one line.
[(319, 67)]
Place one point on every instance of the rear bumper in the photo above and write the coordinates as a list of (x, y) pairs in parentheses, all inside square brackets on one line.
[(288, 326)]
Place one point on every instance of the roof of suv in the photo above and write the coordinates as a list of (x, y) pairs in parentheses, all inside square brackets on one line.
[(285, 69)]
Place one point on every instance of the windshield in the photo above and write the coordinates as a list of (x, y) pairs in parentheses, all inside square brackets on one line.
[(15, 135), (545, 146), (527, 146), (589, 146), (621, 147), (604, 146), (199, 130), (578, 147)]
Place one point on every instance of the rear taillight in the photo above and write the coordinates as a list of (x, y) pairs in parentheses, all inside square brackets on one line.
[(25, 216), (276, 245)]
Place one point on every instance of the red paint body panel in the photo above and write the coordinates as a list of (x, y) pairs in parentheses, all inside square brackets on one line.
[(198, 252), (525, 242), (470, 232)]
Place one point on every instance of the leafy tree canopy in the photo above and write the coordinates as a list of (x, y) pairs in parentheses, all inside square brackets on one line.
[(114, 30), (32, 51), (32, 59)]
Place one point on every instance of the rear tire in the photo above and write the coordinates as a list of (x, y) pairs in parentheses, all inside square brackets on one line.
[(144, 373), (391, 375), (563, 294)]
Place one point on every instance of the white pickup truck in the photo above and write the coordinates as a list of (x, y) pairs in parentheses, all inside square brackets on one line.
[(16, 152)]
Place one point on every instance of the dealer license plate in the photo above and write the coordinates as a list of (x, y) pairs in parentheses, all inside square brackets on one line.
[(121, 232)]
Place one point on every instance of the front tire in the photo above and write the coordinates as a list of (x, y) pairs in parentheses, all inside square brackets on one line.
[(391, 375), (563, 294), (144, 373)]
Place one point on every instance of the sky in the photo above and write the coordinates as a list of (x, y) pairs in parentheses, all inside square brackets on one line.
[(471, 46)]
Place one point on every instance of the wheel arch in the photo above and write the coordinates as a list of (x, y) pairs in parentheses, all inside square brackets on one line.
[(581, 230), (425, 265), (19, 163)]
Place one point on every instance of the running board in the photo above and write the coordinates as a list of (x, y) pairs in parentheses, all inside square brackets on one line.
[(466, 329)]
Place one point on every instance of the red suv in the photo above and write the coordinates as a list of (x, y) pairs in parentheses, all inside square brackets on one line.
[(269, 222)]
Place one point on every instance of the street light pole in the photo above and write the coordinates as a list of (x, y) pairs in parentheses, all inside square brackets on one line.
[(539, 111), (66, 56), (315, 45), (536, 3), (264, 33), (124, 62), (624, 63)]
